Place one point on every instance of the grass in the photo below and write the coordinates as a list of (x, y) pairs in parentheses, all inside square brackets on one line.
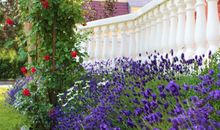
[(10, 119)]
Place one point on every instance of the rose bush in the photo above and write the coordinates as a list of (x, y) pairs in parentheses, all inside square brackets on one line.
[(56, 53)]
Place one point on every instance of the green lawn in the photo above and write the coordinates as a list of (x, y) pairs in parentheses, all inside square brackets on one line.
[(9, 118)]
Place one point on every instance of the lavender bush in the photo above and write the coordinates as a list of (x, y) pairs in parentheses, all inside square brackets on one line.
[(160, 93)]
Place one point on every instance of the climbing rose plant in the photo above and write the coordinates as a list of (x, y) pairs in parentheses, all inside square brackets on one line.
[(55, 56)]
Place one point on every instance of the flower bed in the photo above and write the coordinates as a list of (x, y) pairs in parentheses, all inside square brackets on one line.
[(159, 94)]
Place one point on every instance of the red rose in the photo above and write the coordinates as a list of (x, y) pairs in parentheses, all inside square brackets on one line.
[(24, 70), (47, 57), (33, 70), (9, 22), (26, 92), (45, 4), (73, 54)]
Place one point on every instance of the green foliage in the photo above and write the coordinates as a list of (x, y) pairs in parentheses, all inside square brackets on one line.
[(53, 34), (10, 42)]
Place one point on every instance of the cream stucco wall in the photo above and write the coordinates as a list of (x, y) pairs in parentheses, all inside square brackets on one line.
[(134, 9)]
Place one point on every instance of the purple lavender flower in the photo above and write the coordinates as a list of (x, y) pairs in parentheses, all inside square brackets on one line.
[(211, 72), (215, 94)]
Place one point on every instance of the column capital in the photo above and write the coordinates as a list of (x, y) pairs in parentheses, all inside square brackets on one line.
[(97, 30), (113, 27), (105, 29), (190, 4), (122, 26)]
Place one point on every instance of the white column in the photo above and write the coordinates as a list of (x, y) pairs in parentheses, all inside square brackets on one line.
[(147, 34), (132, 42), (137, 35), (114, 41), (173, 25), (165, 27), (190, 28), (105, 53), (98, 53), (143, 38), (158, 15), (200, 29), (213, 25), (180, 26), (89, 47), (123, 43), (152, 32)]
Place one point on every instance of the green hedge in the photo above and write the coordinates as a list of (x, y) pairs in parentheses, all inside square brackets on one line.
[(9, 69)]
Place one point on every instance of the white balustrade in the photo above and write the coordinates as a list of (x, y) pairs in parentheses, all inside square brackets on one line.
[(160, 25)]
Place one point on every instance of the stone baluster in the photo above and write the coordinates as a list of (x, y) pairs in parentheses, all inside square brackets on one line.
[(190, 28), (213, 37), (200, 28), (122, 28), (89, 47), (105, 31), (98, 53), (152, 32), (158, 15), (132, 42), (147, 34), (173, 26), (180, 26), (114, 41), (143, 38), (137, 36), (165, 27)]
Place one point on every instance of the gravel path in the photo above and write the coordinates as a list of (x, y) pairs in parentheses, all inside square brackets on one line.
[(5, 84)]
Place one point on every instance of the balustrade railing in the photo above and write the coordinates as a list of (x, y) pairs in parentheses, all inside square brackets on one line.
[(189, 26)]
